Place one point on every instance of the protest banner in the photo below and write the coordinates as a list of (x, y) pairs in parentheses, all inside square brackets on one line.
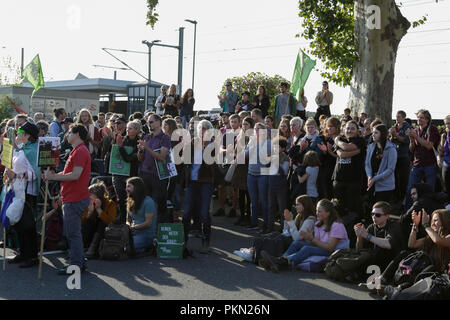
[(117, 165), (166, 168), (170, 240), (49, 149), (7, 154)]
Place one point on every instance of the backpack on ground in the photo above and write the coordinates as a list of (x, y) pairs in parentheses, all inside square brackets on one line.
[(116, 244), (411, 266), (347, 263), (53, 232), (429, 286)]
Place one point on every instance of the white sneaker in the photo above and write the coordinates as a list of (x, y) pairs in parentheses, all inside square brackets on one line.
[(245, 254)]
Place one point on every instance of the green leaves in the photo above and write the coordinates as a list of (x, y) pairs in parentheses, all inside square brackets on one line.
[(152, 16), (419, 22), (330, 26), (252, 81)]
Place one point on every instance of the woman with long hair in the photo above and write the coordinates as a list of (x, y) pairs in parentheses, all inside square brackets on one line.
[(304, 220), (239, 179), (100, 213), (329, 235), (187, 107), (380, 165), (94, 139), (444, 157), (284, 130), (142, 215), (261, 101), (332, 131), (172, 103)]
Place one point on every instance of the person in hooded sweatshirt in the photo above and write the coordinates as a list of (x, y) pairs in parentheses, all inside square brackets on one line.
[(423, 198)]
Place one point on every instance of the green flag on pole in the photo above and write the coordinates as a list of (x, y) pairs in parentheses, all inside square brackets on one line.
[(33, 74), (303, 68)]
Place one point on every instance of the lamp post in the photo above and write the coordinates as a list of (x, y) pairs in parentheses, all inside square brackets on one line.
[(149, 45), (194, 22)]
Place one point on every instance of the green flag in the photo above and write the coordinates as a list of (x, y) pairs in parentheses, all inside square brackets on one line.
[(33, 74), (303, 68)]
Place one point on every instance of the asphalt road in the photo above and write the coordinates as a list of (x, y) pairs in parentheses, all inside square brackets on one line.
[(219, 275)]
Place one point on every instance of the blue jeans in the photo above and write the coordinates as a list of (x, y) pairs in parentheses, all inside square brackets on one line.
[(428, 174), (198, 196), (72, 212), (299, 251), (141, 241), (258, 189), (185, 120)]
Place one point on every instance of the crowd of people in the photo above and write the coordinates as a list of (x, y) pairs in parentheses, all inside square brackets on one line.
[(308, 186)]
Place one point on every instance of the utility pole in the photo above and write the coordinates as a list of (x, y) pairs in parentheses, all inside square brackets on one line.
[(194, 22), (180, 60)]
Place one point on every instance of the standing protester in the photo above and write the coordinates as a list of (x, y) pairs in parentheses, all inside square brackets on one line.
[(94, 139), (66, 147), (262, 101), (284, 130), (256, 115), (348, 175), (75, 193), (56, 126), (301, 106), (26, 178), (156, 187), (423, 143), (172, 103), (269, 122), (397, 135), (239, 179), (331, 132), (187, 107), (380, 165), (444, 157), (245, 103), (20, 120), (200, 185), (362, 118), (324, 99), (285, 103), (161, 100), (229, 99), (258, 150), (133, 135)]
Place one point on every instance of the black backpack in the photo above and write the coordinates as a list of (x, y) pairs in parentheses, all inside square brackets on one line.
[(347, 264), (429, 286), (410, 267), (117, 244)]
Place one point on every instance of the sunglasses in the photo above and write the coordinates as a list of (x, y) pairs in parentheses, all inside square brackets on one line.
[(376, 214)]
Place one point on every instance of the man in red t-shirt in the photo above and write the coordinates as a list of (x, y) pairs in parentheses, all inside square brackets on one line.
[(74, 193)]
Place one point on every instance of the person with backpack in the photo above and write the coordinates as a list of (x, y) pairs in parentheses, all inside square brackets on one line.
[(383, 238), (56, 126), (276, 243), (433, 254), (329, 235), (142, 215), (96, 217)]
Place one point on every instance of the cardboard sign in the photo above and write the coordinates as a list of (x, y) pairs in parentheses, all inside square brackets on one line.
[(117, 165), (166, 168), (7, 154), (49, 149), (170, 240)]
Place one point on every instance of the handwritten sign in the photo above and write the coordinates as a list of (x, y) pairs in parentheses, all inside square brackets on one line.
[(48, 151), (170, 240)]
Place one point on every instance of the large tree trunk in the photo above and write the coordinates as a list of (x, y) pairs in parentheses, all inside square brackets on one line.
[(372, 84)]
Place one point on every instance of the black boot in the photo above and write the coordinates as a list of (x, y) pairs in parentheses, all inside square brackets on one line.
[(274, 263), (93, 248)]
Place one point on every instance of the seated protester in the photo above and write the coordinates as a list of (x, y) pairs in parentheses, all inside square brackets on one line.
[(244, 104), (278, 184), (423, 198), (142, 215), (436, 244), (329, 235), (100, 213), (383, 238), (304, 220)]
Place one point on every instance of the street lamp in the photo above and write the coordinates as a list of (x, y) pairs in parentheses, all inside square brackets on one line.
[(194, 22), (149, 45)]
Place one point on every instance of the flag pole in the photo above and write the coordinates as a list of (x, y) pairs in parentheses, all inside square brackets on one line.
[(4, 249), (44, 214)]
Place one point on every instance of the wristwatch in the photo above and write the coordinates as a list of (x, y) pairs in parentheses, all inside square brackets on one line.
[(369, 236)]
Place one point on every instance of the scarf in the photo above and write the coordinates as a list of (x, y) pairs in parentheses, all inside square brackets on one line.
[(312, 137)]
